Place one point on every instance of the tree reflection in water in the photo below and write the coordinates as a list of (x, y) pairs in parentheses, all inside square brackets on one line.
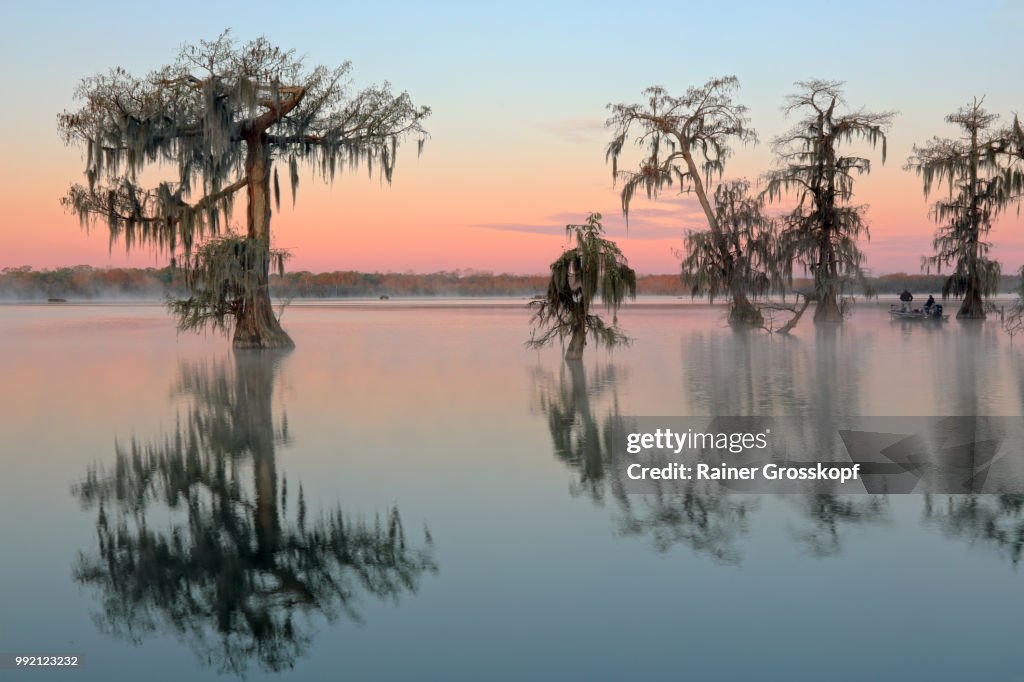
[(728, 373), (817, 380), (582, 417), (579, 436), (995, 521), (196, 538), (825, 514), (744, 373)]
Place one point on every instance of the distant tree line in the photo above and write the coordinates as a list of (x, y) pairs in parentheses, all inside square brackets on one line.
[(85, 282)]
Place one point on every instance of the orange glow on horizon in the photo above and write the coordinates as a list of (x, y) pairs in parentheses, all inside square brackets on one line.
[(456, 207)]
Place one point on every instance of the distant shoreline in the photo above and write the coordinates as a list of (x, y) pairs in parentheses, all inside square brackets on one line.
[(649, 302), (85, 283)]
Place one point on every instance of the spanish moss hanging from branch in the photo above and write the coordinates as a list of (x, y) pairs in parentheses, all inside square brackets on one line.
[(222, 276), (740, 259)]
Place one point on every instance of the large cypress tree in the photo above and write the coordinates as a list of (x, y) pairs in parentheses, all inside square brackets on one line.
[(220, 116)]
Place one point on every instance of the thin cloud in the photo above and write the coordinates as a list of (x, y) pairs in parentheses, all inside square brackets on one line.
[(574, 130), (546, 229), (667, 218), (639, 227)]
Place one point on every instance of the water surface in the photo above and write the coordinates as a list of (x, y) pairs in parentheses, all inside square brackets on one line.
[(412, 495)]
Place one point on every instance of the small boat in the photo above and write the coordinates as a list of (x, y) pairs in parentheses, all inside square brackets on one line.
[(56, 300), (934, 314)]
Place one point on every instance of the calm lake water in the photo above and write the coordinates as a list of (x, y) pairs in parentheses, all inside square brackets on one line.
[(410, 494)]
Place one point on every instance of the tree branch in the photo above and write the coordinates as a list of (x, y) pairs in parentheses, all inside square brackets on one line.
[(277, 110)]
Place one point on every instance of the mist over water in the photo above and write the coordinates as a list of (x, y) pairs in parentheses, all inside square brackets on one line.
[(410, 494)]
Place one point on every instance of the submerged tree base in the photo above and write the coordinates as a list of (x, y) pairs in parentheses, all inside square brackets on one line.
[(743, 313), (828, 311), (973, 308), (256, 326), (574, 353), (278, 339), (229, 281)]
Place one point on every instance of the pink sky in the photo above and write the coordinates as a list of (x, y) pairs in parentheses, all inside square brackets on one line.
[(448, 210), (517, 136)]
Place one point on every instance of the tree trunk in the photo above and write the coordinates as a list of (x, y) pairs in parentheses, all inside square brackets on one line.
[(743, 312), (698, 189), (576, 343), (826, 309), (973, 306), (256, 326)]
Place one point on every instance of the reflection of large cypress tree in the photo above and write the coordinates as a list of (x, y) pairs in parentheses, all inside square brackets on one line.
[(186, 545)]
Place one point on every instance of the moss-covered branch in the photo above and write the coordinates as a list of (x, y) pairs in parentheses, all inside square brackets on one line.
[(222, 275)]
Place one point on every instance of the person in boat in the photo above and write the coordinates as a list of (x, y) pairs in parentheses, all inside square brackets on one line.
[(929, 305), (905, 298)]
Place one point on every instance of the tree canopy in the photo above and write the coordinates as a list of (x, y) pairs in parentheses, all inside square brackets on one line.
[(686, 139)]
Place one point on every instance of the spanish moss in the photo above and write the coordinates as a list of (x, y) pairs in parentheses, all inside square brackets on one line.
[(595, 267)]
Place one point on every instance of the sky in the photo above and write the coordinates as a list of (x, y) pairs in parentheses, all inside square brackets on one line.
[(519, 94)]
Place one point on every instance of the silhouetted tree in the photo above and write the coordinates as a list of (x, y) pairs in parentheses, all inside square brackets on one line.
[(593, 267), (686, 140), (978, 190), (185, 545), (821, 232), (220, 116)]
